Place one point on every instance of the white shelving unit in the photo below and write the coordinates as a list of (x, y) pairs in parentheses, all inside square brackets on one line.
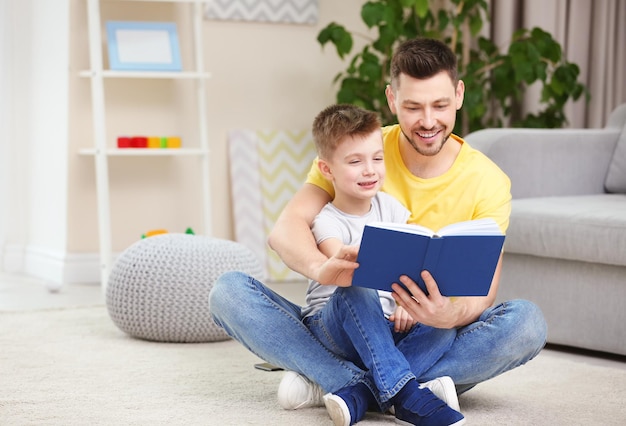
[(101, 150)]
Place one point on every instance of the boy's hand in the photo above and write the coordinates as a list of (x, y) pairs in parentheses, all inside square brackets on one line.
[(402, 320)]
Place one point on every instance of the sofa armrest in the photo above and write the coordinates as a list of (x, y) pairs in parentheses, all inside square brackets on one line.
[(550, 162)]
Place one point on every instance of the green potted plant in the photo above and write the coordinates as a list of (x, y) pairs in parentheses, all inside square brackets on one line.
[(495, 81)]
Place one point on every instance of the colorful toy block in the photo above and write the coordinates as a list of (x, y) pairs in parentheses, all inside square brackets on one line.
[(139, 142), (154, 142), (153, 232), (173, 142), (123, 142), (148, 142)]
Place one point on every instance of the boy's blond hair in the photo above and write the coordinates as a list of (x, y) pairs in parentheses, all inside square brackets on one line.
[(336, 122)]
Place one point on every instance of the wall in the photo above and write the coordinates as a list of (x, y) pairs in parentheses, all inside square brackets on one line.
[(264, 76)]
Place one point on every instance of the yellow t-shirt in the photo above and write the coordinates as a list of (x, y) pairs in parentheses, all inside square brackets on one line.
[(473, 188)]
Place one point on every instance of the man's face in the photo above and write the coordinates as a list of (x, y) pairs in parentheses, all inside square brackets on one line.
[(426, 109)]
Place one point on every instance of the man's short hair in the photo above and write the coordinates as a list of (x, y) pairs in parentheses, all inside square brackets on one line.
[(423, 58)]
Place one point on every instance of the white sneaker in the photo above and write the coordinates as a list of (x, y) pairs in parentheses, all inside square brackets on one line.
[(445, 390), (296, 391), (443, 387)]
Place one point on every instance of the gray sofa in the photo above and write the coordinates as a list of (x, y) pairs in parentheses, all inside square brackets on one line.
[(566, 244)]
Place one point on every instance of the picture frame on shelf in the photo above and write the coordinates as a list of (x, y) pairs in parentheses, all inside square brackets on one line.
[(143, 46)]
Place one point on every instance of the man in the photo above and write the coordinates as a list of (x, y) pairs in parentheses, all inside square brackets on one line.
[(441, 180), (354, 322)]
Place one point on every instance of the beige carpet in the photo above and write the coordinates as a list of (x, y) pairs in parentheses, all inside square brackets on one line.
[(74, 367)]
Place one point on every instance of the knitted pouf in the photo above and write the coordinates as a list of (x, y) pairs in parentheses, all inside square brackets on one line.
[(159, 287)]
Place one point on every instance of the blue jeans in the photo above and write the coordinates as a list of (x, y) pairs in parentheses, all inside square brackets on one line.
[(353, 326), (270, 326)]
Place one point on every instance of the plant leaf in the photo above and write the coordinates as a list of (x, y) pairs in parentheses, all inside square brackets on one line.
[(372, 13), (421, 8), (337, 35)]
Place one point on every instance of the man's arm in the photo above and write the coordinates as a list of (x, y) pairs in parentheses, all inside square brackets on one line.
[(292, 239), (439, 311)]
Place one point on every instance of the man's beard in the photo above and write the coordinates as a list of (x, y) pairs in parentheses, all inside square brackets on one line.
[(426, 153)]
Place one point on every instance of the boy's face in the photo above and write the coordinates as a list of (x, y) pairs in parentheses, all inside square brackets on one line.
[(357, 168), (426, 109)]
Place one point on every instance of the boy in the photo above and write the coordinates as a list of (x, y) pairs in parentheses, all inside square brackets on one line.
[(355, 323)]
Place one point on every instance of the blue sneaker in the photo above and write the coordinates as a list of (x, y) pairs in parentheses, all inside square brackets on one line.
[(423, 408), (348, 405)]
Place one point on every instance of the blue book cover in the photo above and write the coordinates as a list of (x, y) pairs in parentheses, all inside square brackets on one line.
[(462, 257)]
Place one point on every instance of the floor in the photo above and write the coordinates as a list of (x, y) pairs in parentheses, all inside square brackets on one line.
[(21, 293)]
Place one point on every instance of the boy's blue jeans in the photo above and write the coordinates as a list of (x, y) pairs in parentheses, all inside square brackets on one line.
[(353, 326), (504, 337)]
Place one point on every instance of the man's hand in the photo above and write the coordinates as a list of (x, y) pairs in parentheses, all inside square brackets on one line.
[(403, 322), (434, 310), (339, 268)]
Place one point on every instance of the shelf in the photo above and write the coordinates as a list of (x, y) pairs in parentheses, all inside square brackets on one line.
[(145, 152), (103, 150), (146, 74)]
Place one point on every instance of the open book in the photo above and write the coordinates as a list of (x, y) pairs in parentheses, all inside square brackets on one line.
[(461, 257)]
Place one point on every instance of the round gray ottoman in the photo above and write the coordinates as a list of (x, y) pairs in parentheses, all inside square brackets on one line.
[(159, 287)]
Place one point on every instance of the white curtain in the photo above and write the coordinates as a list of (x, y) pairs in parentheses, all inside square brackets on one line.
[(5, 123), (592, 34), (13, 121)]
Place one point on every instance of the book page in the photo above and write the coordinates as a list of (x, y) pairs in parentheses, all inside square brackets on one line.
[(486, 226), (408, 228)]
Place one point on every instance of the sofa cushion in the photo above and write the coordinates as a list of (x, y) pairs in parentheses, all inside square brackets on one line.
[(616, 176), (588, 228)]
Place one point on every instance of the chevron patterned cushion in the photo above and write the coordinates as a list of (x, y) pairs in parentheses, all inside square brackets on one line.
[(267, 168), (159, 286)]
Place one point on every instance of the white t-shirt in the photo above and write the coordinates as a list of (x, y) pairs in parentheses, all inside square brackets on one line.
[(333, 223)]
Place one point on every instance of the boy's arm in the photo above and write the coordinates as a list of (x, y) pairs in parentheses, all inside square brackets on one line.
[(330, 246), (293, 240)]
